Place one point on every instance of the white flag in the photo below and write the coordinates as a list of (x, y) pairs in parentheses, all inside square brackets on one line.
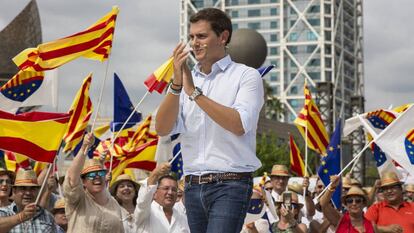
[(29, 90), (397, 140)]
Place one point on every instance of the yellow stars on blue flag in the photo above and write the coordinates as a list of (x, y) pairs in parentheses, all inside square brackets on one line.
[(409, 146), (255, 206)]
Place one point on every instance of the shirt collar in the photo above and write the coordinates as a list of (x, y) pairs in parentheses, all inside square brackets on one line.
[(221, 64)]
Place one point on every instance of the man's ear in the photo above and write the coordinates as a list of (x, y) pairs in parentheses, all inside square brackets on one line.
[(224, 37)]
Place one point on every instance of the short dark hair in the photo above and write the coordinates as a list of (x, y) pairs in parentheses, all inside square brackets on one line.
[(167, 177), (218, 20)]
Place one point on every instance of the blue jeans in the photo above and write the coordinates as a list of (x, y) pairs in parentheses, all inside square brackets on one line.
[(218, 207)]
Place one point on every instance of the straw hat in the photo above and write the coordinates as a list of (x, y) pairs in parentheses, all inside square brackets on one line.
[(295, 187), (7, 172), (92, 165), (119, 179), (26, 178), (409, 187), (346, 182), (279, 170), (355, 182), (59, 204), (295, 199), (389, 178), (355, 191)]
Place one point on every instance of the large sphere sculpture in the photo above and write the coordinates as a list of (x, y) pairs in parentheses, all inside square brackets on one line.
[(248, 47)]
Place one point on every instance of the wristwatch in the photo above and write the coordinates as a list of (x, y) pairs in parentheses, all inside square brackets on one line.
[(197, 92)]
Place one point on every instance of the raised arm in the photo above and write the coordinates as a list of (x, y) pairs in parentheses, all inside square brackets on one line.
[(168, 111), (75, 168), (236, 119), (328, 210)]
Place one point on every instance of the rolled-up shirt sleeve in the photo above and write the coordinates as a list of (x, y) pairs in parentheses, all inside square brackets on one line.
[(249, 99), (143, 208)]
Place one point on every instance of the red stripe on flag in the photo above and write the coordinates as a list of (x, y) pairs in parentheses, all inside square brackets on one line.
[(146, 165), (36, 116), (27, 148), (75, 48), (95, 28)]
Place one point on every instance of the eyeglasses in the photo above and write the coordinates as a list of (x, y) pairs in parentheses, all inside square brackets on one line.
[(26, 188), (320, 186), (269, 189), (351, 200), (5, 181), (93, 175), (295, 206), (390, 188), (166, 189)]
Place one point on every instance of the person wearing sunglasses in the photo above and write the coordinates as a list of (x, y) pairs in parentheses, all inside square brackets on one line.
[(353, 220), (393, 214), (89, 205), (289, 219), (6, 181)]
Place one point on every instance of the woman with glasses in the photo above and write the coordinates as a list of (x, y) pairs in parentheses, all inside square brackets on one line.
[(89, 206), (353, 220), (288, 213), (125, 191), (6, 181)]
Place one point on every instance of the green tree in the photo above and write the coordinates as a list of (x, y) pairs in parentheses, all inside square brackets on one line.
[(270, 149), (273, 107)]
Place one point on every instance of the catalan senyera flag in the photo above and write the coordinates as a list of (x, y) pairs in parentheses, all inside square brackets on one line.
[(161, 77), (37, 135), (14, 161), (94, 43), (142, 158), (310, 118), (80, 112), (296, 162), (39, 167), (140, 135)]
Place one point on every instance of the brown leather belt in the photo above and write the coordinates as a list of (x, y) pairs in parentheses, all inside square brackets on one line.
[(216, 177)]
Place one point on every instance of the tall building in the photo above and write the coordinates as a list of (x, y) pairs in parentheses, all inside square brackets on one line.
[(317, 41), (24, 31)]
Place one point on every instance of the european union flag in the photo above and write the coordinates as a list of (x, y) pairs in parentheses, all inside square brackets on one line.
[(265, 69), (379, 155), (123, 107), (331, 164), (177, 165)]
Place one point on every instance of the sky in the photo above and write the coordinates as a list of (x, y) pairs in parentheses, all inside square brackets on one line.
[(148, 30)]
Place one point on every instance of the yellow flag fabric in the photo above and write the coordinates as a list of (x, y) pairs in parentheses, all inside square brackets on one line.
[(161, 77), (310, 118), (94, 43), (37, 135)]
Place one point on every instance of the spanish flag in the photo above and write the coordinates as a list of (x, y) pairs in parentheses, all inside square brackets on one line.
[(296, 161), (161, 77), (35, 134), (93, 43), (310, 118), (80, 112)]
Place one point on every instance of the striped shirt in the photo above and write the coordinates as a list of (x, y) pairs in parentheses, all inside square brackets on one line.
[(42, 222)]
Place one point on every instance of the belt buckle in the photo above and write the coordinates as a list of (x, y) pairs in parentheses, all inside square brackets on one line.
[(210, 179)]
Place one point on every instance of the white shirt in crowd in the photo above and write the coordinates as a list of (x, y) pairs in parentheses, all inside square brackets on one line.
[(150, 217)]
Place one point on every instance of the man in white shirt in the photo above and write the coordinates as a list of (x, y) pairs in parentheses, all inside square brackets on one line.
[(155, 212), (217, 115)]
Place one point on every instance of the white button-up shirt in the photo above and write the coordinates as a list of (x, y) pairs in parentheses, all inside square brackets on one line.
[(205, 145), (150, 216)]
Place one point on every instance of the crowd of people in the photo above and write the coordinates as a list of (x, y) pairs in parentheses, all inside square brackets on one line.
[(156, 204), (215, 107)]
